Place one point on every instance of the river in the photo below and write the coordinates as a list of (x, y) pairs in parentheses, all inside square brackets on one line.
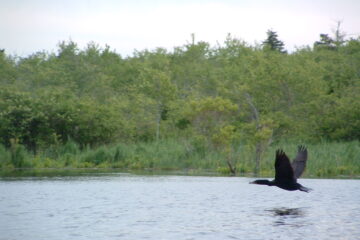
[(127, 206)]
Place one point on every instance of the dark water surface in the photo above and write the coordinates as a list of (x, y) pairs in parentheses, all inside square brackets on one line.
[(124, 206)]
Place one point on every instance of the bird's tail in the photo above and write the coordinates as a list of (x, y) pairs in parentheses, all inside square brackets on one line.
[(305, 189)]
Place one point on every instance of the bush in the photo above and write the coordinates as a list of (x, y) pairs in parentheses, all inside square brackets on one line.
[(5, 157), (98, 156)]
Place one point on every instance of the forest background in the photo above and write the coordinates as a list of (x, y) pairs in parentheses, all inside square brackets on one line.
[(224, 108)]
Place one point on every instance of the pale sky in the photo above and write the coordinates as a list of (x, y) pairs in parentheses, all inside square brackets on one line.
[(28, 26)]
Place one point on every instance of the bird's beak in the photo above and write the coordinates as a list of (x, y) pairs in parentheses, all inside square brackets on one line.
[(251, 182)]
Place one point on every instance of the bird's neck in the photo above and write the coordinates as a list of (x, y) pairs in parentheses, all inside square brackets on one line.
[(264, 182)]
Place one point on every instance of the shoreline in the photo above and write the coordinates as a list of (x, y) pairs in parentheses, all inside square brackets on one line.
[(64, 172)]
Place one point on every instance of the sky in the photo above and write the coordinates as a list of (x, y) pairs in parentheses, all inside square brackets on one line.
[(29, 26)]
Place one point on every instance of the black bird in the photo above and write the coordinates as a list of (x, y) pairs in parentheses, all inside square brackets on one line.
[(286, 174)]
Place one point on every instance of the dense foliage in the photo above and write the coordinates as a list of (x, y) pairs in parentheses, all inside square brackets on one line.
[(211, 96)]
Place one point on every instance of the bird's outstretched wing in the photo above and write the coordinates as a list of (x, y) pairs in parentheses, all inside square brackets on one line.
[(283, 169), (299, 163)]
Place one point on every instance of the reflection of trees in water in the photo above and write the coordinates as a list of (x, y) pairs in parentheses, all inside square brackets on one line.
[(288, 216)]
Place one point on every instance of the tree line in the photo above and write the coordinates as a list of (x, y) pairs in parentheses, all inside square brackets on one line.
[(218, 96)]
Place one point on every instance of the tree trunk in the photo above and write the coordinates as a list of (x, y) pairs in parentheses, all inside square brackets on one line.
[(158, 119), (258, 150), (258, 145), (231, 168)]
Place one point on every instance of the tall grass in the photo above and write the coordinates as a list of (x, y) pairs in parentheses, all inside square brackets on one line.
[(326, 159), (331, 159)]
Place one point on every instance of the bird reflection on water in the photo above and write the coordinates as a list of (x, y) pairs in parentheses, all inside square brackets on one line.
[(288, 216), (295, 212)]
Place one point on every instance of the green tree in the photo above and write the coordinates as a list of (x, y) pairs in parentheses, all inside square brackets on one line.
[(325, 42), (8, 71), (331, 43), (273, 43), (209, 114), (157, 86)]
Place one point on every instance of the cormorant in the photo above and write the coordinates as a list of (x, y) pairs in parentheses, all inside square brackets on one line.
[(286, 173)]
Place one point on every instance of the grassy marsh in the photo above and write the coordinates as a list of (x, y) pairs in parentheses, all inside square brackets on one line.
[(326, 159)]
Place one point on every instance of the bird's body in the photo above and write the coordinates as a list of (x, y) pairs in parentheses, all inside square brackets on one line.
[(286, 174)]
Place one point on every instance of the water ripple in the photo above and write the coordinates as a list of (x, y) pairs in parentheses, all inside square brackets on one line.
[(176, 207)]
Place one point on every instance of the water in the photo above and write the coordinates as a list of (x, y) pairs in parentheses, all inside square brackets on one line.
[(124, 206)]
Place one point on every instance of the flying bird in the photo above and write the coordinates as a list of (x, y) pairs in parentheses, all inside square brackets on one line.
[(286, 174)]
